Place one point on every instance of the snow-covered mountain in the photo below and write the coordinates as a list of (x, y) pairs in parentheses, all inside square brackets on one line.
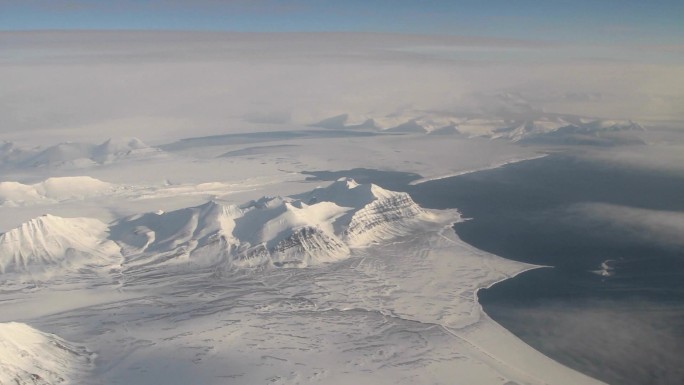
[(50, 245), (375, 213), (534, 127), (76, 154), (582, 131), (308, 229), (406, 122), (53, 190), (31, 357), (320, 226)]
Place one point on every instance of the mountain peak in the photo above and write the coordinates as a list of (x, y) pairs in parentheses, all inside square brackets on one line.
[(344, 192), (346, 181), (310, 228), (50, 240)]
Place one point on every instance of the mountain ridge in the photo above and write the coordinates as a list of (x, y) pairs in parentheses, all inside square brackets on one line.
[(76, 154), (533, 127), (320, 226)]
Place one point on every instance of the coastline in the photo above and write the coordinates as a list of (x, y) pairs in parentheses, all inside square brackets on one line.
[(609, 327), (495, 344), (485, 168)]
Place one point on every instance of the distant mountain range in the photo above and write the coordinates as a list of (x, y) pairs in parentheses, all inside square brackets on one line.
[(537, 128), (77, 154)]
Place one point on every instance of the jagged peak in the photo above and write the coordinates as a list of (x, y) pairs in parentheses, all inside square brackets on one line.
[(346, 192), (350, 183)]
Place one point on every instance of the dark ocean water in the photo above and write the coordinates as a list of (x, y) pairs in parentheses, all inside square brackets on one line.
[(626, 327)]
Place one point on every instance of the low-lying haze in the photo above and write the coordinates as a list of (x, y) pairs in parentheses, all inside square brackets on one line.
[(160, 85)]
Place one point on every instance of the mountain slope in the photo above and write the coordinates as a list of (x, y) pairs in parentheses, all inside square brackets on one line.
[(53, 190), (43, 244), (320, 226), (376, 213), (307, 229), (29, 356)]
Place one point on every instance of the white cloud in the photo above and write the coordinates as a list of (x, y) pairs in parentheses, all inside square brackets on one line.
[(653, 226), (219, 82), (665, 153)]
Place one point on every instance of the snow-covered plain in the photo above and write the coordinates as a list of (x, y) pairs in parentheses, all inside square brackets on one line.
[(201, 253)]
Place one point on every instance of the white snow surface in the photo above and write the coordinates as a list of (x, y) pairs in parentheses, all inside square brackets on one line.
[(345, 283), (330, 284), (42, 244), (311, 228), (53, 190), (315, 227), (158, 266), (31, 357)]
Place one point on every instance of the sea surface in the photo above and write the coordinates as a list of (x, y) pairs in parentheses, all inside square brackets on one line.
[(611, 302)]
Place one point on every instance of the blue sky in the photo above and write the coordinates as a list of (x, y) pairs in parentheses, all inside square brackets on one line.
[(602, 21)]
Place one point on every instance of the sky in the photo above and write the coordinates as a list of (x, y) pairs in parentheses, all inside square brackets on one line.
[(583, 21), (245, 66)]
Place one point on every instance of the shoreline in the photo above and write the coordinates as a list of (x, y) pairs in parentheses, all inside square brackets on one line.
[(485, 168)]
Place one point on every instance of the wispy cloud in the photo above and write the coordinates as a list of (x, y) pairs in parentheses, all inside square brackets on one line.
[(650, 226), (629, 341)]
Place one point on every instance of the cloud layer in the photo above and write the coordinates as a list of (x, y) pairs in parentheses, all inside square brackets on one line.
[(153, 84)]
